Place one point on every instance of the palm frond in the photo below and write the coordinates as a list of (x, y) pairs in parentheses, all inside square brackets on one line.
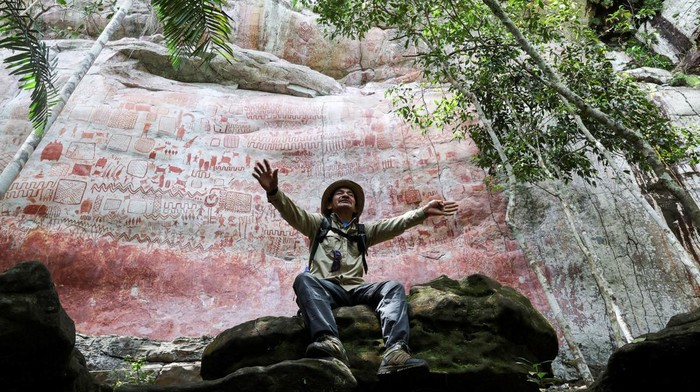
[(30, 60), (194, 28)]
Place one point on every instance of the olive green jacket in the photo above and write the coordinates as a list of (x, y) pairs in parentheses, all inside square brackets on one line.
[(351, 270)]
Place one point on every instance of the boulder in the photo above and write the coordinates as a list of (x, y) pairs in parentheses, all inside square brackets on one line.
[(474, 332), (309, 375), (659, 361), (37, 337), (250, 70), (173, 362), (259, 342), (650, 75)]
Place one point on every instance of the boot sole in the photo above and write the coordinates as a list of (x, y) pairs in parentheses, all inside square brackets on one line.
[(402, 370)]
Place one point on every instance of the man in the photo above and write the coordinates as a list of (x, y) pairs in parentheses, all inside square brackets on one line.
[(336, 268)]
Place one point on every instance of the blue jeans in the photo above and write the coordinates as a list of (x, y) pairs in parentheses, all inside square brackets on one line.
[(318, 297)]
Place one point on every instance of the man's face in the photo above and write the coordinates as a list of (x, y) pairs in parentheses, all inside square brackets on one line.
[(343, 198)]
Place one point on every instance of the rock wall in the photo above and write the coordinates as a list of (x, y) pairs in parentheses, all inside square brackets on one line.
[(676, 29), (141, 202), (140, 199), (274, 27), (645, 274)]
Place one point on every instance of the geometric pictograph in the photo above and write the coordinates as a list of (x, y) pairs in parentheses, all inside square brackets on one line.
[(112, 204), (124, 119), (137, 168), (119, 143), (137, 206), (80, 150), (237, 202), (70, 191)]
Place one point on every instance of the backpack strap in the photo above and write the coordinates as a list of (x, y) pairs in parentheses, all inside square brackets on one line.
[(360, 238), (320, 236), (362, 243)]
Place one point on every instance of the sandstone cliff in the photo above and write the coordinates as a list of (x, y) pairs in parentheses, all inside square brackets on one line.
[(140, 200)]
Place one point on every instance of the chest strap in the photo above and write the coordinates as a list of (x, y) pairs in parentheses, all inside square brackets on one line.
[(360, 238)]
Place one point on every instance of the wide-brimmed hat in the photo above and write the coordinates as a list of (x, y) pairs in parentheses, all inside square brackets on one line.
[(353, 186)]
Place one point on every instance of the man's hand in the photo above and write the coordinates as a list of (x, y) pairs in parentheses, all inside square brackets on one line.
[(265, 176), (440, 207)]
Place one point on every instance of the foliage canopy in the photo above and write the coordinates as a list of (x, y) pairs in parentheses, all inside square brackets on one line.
[(466, 52)]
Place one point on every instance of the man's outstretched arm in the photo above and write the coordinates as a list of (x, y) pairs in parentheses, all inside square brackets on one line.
[(296, 216), (386, 229)]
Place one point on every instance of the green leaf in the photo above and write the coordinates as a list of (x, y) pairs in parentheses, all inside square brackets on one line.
[(30, 61), (194, 28)]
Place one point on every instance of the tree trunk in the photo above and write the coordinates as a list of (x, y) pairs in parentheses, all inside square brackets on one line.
[(665, 176), (10, 173)]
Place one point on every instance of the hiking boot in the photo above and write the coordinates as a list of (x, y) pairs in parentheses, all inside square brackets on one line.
[(327, 346), (398, 360)]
